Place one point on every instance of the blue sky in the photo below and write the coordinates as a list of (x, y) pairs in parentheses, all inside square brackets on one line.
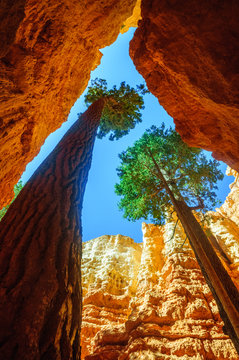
[(100, 213)]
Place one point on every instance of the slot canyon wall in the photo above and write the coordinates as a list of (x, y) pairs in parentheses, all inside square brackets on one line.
[(187, 53), (47, 51), (150, 300), (188, 56)]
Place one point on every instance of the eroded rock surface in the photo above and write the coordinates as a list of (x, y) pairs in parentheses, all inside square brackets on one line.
[(230, 207), (47, 51), (171, 313), (133, 20), (109, 280), (188, 54)]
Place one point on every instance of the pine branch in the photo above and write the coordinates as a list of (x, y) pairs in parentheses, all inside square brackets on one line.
[(183, 242), (173, 232)]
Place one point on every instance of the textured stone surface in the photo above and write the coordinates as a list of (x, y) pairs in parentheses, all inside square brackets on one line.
[(133, 20), (225, 227), (226, 234), (189, 55), (109, 277), (103, 258), (230, 207), (47, 51), (172, 315)]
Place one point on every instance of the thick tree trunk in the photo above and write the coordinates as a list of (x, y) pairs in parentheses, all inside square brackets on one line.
[(219, 281), (40, 254)]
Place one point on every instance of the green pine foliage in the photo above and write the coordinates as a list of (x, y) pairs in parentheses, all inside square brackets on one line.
[(188, 172), (17, 188), (122, 109)]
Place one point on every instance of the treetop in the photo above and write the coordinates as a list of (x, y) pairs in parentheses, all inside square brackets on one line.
[(122, 110), (189, 173)]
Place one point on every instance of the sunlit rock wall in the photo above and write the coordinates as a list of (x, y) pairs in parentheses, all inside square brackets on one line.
[(171, 313), (226, 234), (133, 20), (188, 54), (47, 51), (109, 280), (230, 208), (224, 225)]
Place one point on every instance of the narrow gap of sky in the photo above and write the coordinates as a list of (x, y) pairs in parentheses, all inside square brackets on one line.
[(100, 213)]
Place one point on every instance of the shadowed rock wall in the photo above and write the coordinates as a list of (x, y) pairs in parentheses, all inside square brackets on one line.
[(188, 54), (47, 52)]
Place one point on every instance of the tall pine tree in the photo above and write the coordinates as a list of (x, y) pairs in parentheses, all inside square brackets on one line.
[(40, 252), (161, 172)]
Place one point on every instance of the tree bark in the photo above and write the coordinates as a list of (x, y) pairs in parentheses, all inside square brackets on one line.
[(219, 281), (40, 252)]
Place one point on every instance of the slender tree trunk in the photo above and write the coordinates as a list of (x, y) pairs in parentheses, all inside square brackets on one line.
[(40, 252), (220, 283)]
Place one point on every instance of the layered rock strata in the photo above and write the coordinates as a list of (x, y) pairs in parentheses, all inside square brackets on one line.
[(47, 52), (171, 315), (188, 54)]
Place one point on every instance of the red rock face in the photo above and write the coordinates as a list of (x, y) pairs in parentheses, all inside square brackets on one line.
[(47, 51), (188, 54)]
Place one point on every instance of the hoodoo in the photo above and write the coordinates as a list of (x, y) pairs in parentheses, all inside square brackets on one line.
[(168, 313)]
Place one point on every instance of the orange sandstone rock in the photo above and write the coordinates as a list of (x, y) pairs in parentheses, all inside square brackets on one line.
[(109, 280), (47, 52), (188, 54), (133, 20), (171, 315)]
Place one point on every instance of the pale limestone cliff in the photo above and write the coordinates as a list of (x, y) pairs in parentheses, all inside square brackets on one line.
[(102, 263), (172, 314), (230, 208), (109, 279)]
